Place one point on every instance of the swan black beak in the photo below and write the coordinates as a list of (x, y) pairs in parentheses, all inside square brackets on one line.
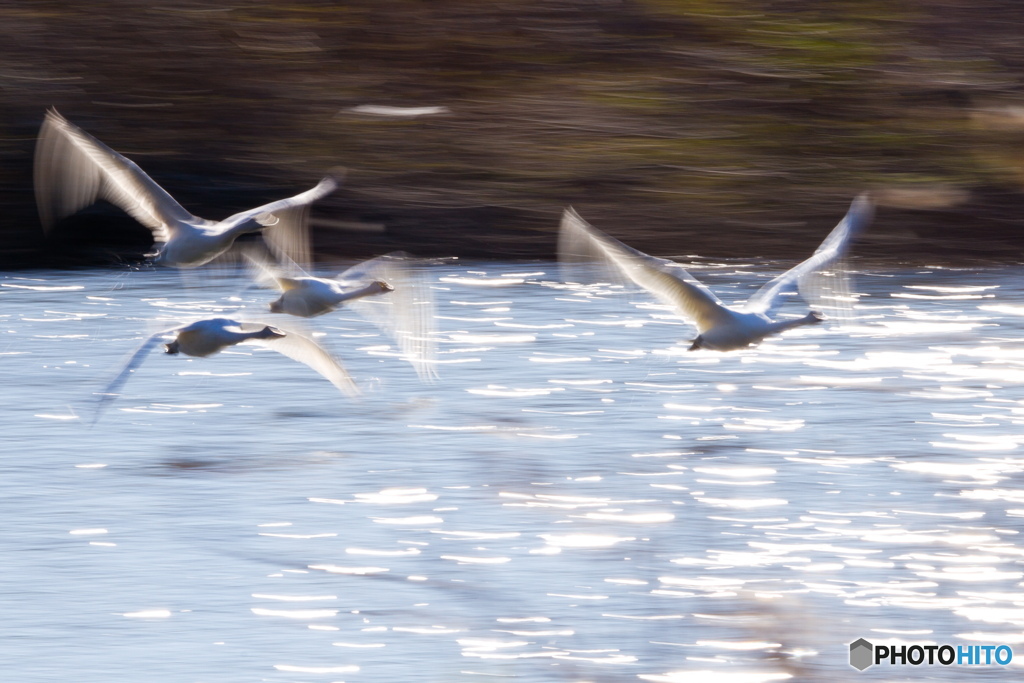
[(698, 343)]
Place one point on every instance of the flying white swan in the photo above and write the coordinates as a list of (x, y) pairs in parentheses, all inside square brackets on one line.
[(719, 327), (208, 337), (386, 290), (73, 170)]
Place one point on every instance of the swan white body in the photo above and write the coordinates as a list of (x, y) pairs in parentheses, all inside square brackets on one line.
[(308, 296), (719, 327), (73, 170), (405, 311), (208, 337)]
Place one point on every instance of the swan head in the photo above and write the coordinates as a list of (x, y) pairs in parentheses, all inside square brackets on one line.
[(698, 343), (172, 348), (384, 286)]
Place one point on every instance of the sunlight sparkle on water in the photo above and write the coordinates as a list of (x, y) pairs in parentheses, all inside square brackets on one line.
[(523, 514), (584, 540)]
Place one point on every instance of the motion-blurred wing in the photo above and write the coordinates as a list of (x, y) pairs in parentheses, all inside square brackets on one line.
[(73, 170), (286, 222), (819, 289), (110, 392), (265, 273), (580, 243), (406, 314), (308, 352)]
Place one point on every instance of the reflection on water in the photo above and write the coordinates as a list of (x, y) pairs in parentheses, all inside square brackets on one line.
[(578, 498)]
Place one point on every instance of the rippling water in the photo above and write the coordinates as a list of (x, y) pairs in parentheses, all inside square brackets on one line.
[(577, 499)]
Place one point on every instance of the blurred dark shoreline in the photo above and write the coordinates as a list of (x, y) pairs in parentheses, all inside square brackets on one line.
[(104, 237), (722, 128)]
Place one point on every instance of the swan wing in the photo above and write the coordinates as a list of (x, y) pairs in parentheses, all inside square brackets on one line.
[(306, 351), (580, 243), (807, 277), (406, 314), (286, 221), (130, 363), (73, 170), (265, 273)]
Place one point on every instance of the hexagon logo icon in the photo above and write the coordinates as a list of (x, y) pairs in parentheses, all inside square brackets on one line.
[(861, 654)]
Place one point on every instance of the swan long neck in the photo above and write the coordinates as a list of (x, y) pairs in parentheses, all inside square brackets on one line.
[(369, 290), (811, 318)]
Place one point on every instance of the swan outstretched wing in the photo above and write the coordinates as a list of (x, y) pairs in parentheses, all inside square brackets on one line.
[(807, 277), (131, 362), (73, 170), (286, 221), (265, 273), (306, 351), (406, 314), (580, 243)]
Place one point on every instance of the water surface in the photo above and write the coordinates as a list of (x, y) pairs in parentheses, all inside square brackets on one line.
[(577, 499)]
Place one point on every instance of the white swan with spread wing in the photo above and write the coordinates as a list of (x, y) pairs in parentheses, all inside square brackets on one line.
[(719, 327), (211, 336), (74, 170), (387, 290)]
